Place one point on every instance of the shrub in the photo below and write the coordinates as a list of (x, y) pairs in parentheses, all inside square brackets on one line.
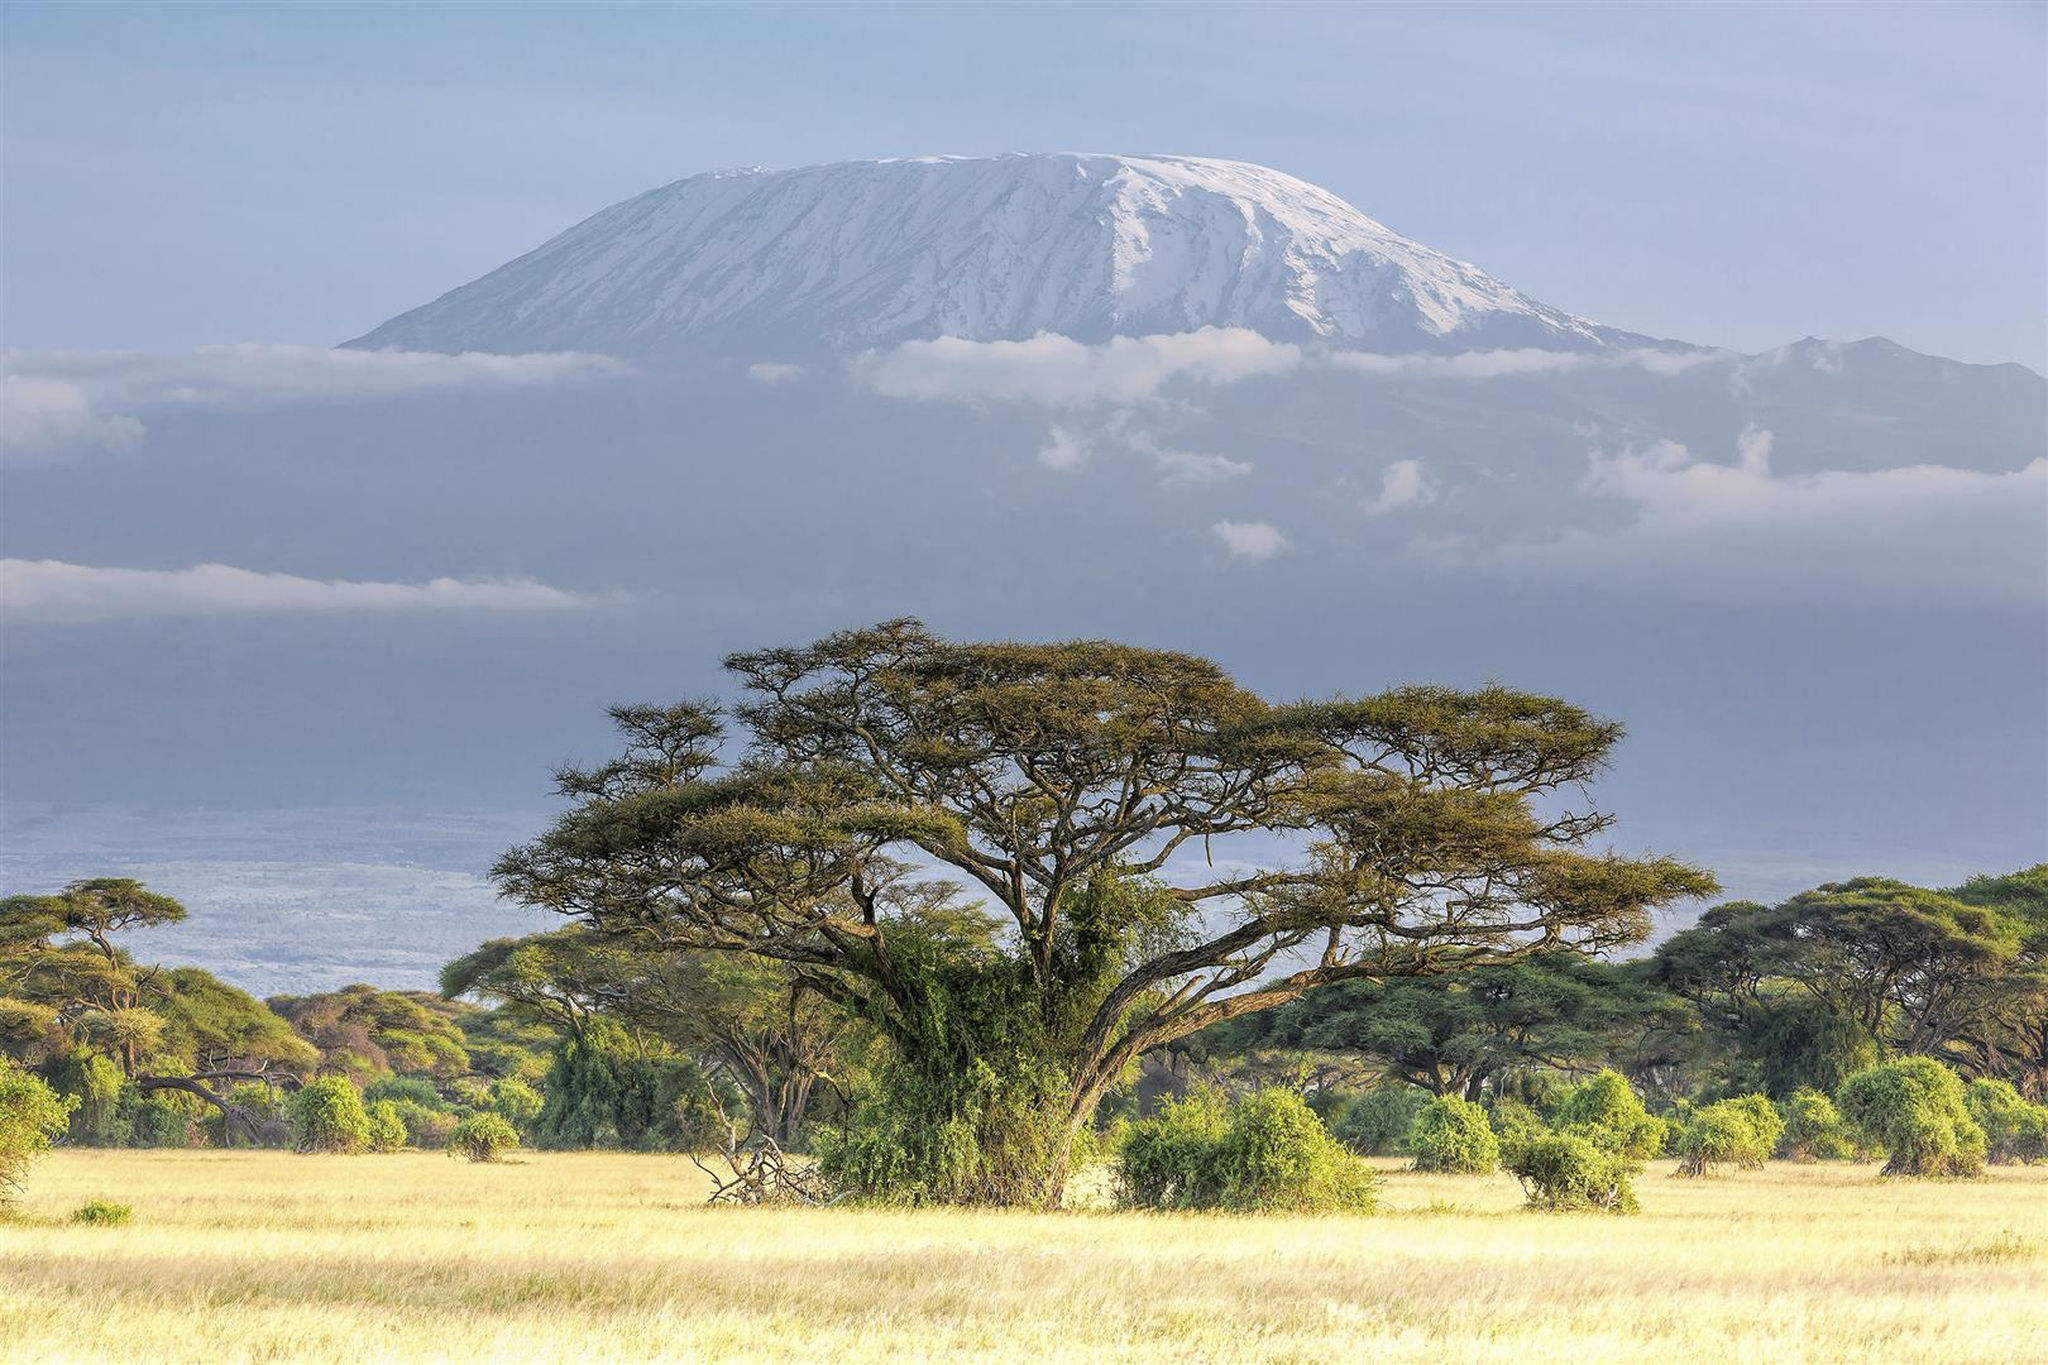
[(31, 1117), (1606, 1113), (425, 1128), (160, 1119), (1453, 1135), (1763, 1116), (1914, 1109), (1378, 1121), (516, 1102), (1722, 1134), (387, 1128), (1266, 1153), (482, 1137), (100, 1213), (1565, 1171), (1813, 1128), (2014, 1130), (327, 1116), (95, 1084)]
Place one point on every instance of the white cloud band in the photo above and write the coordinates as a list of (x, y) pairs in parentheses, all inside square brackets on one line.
[(49, 590)]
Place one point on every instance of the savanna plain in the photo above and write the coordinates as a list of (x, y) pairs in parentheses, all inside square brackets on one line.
[(591, 1256)]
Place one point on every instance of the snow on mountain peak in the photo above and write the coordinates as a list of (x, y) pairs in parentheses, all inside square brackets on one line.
[(866, 253)]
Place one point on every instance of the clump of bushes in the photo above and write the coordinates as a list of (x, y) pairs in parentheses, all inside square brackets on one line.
[(1265, 1153), (31, 1117), (2014, 1129), (516, 1102), (482, 1137), (1813, 1129), (1603, 1136), (100, 1213), (387, 1127), (1915, 1110), (327, 1115), (1453, 1136), (1566, 1171), (1724, 1133)]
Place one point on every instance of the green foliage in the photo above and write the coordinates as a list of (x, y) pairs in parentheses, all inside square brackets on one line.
[(1726, 1132), (162, 1118), (1566, 1171), (482, 1137), (416, 1089), (1607, 1113), (1813, 1130), (1915, 1110), (387, 1127), (327, 1116), (518, 1103), (2014, 1130), (363, 1032), (1378, 1122), (102, 1214), (425, 1128), (95, 1082), (1267, 1153), (1453, 1136), (31, 1117), (602, 1092), (1515, 1124)]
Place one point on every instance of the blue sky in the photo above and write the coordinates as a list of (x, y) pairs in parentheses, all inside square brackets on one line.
[(1733, 175)]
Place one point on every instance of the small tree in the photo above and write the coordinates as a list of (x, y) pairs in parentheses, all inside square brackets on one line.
[(387, 1126), (327, 1116), (482, 1137), (1452, 1135), (1561, 1171), (31, 1117), (1813, 1130), (1915, 1110), (2014, 1130), (1724, 1133)]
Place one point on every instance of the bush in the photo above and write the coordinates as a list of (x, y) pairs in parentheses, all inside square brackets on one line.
[(1763, 1116), (161, 1119), (425, 1128), (100, 1213), (95, 1084), (1378, 1121), (327, 1116), (387, 1128), (31, 1117), (1724, 1133), (482, 1137), (1914, 1109), (516, 1102), (1606, 1113), (1266, 1153), (1452, 1135), (1565, 1171), (1813, 1128), (2014, 1130)]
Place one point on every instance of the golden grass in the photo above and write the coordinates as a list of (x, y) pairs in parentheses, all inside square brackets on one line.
[(239, 1256)]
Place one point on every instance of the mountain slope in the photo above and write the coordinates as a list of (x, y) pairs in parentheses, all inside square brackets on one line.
[(1000, 248)]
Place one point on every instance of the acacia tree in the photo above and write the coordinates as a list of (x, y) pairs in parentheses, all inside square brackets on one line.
[(66, 984), (1064, 782)]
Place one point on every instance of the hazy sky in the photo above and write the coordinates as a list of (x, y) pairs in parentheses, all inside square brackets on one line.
[(1733, 175)]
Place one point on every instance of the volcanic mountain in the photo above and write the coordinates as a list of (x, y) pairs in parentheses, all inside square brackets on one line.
[(869, 253)]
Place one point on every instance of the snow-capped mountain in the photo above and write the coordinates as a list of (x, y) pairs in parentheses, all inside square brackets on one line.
[(868, 253)]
